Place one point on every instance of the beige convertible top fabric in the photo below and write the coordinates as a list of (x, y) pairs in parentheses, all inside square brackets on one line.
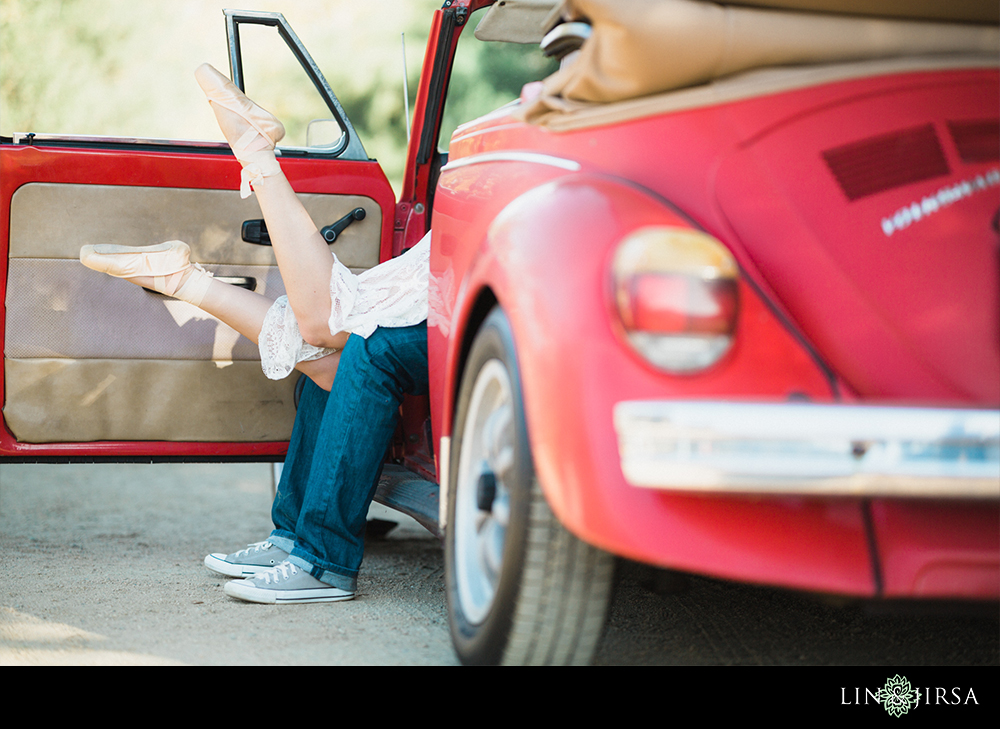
[(524, 21), (644, 47), (973, 11), (515, 21), (574, 115)]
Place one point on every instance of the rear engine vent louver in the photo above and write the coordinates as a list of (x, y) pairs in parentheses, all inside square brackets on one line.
[(977, 141), (891, 160)]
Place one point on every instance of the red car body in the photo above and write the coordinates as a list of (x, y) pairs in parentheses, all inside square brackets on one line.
[(818, 320), (861, 213)]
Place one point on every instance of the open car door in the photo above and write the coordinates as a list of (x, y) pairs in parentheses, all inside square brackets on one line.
[(97, 367)]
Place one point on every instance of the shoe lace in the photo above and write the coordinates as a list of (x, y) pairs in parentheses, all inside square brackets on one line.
[(285, 570), (255, 547)]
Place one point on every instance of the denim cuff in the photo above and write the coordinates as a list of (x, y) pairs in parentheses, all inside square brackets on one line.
[(302, 559), (285, 541)]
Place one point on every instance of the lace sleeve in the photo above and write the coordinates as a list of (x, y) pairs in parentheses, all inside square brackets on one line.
[(392, 294), (281, 344)]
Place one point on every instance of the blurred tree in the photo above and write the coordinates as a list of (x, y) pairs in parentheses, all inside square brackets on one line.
[(123, 68), (485, 77), (488, 75), (34, 85)]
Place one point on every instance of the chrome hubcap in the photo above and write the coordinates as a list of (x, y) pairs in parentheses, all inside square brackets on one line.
[(482, 499)]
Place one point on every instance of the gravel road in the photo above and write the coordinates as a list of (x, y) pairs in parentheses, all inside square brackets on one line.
[(102, 565)]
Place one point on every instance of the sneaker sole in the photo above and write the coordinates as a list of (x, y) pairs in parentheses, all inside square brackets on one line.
[(246, 592), (217, 563)]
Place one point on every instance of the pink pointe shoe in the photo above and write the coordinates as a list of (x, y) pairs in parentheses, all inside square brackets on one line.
[(251, 131), (165, 267)]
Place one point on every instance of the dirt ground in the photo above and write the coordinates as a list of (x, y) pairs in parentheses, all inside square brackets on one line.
[(102, 565)]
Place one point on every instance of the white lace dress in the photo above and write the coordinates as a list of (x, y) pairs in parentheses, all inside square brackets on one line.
[(392, 294)]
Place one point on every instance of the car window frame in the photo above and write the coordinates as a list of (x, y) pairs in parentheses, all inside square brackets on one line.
[(349, 147)]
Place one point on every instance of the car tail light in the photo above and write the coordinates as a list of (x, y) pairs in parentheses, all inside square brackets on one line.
[(676, 295)]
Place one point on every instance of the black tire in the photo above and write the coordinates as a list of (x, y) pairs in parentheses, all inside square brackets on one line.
[(521, 589)]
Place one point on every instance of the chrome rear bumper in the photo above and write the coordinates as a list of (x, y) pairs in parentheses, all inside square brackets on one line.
[(809, 449)]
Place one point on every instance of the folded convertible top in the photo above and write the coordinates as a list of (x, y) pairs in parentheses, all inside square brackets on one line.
[(525, 21), (643, 47)]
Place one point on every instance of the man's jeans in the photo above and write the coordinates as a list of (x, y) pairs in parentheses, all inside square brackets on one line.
[(337, 448)]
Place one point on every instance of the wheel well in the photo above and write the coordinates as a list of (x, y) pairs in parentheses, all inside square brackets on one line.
[(485, 301)]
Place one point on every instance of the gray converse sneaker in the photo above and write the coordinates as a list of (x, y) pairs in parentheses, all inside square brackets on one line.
[(253, 560), (286, 583)]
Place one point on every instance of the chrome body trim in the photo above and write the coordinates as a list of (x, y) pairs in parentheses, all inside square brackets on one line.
[(809, 449), (529, 157), (28, 138), (444, 473)]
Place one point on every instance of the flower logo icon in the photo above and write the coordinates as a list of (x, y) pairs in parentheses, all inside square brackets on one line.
[(898, 696)]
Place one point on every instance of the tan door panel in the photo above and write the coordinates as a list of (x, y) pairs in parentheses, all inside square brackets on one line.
[(51, 220), (89, 357)]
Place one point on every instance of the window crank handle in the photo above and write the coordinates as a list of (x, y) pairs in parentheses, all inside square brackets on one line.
[(331, 232)]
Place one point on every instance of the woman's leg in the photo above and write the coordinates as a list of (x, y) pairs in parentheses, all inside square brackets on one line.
[(237, 307), (245, 310), (303, 256)]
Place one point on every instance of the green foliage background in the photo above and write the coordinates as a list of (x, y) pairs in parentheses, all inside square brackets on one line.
[(124, 68)]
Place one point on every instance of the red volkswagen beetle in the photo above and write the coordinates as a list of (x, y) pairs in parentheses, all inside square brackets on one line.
[(720, 295)]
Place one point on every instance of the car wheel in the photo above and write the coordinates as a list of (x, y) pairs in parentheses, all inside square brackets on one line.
[(521, 589)]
